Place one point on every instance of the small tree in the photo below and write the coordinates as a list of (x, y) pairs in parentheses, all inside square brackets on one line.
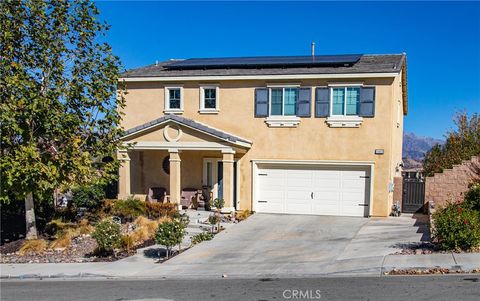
[(170, 233), (218, 204), (213, 220)]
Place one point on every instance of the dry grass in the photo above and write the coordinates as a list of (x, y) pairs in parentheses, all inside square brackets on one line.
[(128, 242), (145, 229), (242, 215), (37, 246), (164, 219), (84, 227), (62, 241), (67, 232)]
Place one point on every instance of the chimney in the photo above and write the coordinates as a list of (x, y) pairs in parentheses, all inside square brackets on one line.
[(156, 63), (313, 48)]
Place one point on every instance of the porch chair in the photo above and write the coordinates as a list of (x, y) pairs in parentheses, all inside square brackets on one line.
[(191, 197), (157, 194)]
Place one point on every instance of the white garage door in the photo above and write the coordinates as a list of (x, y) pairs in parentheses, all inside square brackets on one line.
[(341, 190)]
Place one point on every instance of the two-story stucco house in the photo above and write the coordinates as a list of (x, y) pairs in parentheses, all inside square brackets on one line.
[(301, 134)]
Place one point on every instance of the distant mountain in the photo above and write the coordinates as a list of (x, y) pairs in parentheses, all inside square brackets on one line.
[(414, 149)]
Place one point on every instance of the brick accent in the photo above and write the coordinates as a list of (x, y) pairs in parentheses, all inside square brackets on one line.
[(398, 190), (452, 183)]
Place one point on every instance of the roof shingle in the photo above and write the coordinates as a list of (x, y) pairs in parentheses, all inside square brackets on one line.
[(377, 63)]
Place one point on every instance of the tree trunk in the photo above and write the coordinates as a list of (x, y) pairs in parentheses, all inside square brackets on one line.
[(31, 224)]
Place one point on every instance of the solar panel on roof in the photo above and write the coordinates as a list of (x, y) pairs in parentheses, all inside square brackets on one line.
[(266, 61)]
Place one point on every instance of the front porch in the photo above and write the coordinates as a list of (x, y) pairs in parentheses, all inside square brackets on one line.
[(176, 153)]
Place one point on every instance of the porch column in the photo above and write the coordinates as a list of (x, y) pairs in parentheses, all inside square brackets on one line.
[(175, 176), (228, 161), (123, 174)]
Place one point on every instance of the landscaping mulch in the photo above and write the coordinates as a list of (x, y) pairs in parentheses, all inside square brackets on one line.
[(440, 271), (428, 248), (78, 251), (11, 247)]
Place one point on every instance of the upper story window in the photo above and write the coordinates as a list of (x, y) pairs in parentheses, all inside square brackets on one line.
[(283, 101), (345, 101), (209, 100), (173, 100)]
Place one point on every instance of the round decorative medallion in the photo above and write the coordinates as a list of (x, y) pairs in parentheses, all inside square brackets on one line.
[(166, 165), (172, 133)]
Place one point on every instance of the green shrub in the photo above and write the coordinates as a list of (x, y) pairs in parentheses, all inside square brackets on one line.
[(213, 220), (89, 196), (218, 204), (108, 236), (457, 227), (155, 210), (198, 238), (128, 209), (472, 197), (170, 233)]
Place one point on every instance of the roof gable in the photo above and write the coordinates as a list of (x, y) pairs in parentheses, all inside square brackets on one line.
[(188, 123)]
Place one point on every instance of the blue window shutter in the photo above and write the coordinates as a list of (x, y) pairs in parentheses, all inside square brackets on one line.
[(322, 102), (367, 102), (261, 102), (304, 102)]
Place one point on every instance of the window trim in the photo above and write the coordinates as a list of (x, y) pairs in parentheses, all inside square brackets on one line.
[(204, 110), (283, 87), (167, 109), (345, 87)]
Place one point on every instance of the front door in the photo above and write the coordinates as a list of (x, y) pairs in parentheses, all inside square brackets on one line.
[(213, 179)]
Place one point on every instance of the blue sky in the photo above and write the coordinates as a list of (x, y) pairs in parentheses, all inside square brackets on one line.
[(441, 39)]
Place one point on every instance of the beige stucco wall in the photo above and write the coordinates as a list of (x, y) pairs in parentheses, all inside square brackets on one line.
[(313, 139)]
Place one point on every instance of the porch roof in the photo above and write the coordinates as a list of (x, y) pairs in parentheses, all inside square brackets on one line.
[(195, 125)]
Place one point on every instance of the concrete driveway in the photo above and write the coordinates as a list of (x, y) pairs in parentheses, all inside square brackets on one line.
[(296, 245)]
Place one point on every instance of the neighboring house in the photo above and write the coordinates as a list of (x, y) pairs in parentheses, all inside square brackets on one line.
[(301, 134)]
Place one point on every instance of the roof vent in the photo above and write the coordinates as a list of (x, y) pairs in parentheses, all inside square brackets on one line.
[(313, 48)]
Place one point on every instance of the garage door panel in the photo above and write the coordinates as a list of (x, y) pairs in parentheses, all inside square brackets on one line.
[(323, 209), (272, 195), (298, 208), (271, 207), (297, 195), (353, 210), (336, 190), (332, 184)]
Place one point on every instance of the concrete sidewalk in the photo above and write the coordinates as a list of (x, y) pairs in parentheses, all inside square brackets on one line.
[(136, 267)]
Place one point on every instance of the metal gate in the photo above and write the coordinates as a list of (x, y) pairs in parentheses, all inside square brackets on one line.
[(413, 197)]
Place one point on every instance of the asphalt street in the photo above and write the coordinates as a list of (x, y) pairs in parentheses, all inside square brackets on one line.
[(448, 287)]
